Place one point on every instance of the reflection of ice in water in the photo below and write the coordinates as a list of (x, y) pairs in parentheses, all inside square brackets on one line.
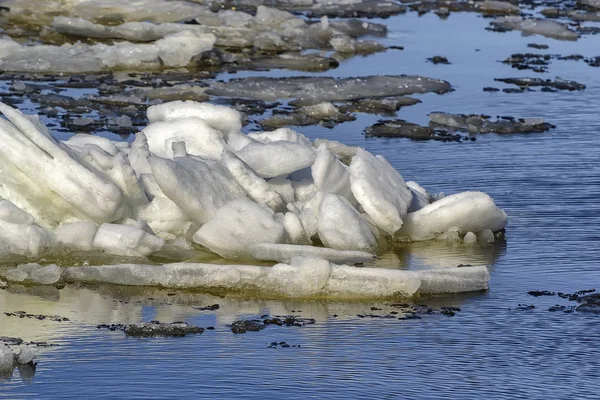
[(437, 254)]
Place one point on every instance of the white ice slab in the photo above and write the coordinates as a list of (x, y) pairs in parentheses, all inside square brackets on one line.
[(285, 253)]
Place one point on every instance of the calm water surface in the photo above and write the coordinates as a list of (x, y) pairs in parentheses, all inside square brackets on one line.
[(547, 183)]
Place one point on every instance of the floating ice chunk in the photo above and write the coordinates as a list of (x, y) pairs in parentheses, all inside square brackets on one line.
[(486, 236), (236, 226), (277, 158), (45, 178), (140, 10), (454, 280), (330, 175), (199, 137), (25, 354), (198, 186), (469, 211), (420, 197), (272, 16), (470, 238), (380, 190), (223, 118), (256, 187), (534, 26), (281, 134), (77, 235), (46, 275), (341, 227), (310, 90), (35, 273), (285, 253), (179, 48), (126, 240), (7, 359)]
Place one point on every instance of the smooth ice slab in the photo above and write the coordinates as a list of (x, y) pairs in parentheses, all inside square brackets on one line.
[(467, 211), (303, 278), (285, 252), (277, 158), (223, 118)]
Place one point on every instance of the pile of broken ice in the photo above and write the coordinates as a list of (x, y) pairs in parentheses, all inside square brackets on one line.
[(191, 180)]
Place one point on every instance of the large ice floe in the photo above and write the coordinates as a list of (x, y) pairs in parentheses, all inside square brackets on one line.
[(192, 187)]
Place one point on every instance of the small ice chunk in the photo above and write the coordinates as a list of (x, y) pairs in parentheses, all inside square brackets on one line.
[(7, 359), (285, 253), (468, 211), (470, 238), (126, 240), (24, 239), (380, 190), (341, 227), (25, 354), (277, 158), (199, 137), (46, 275), (236, 226), (178, 49), (486, 236), (219, 117)]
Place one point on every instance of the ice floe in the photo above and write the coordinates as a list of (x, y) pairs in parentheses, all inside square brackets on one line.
[(192, 175)]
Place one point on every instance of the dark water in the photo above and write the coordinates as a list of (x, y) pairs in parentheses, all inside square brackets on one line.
[(547, 183)]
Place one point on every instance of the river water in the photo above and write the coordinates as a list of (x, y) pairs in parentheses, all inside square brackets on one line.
[(547, 183)]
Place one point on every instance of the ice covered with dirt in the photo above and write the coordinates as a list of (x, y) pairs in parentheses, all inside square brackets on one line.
[(193, 182), (533, 26)]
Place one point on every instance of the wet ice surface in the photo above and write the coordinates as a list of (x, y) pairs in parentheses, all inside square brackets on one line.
[(546, 182)]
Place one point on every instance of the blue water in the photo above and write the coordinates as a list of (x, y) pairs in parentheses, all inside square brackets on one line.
[(547, 183)]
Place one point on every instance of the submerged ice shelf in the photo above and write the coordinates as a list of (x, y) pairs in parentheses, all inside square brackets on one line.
[(192, 180)]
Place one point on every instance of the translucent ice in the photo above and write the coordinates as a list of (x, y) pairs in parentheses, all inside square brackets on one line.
[(7, 359), (341, 227), (285, 253), (236, 226), (304, 277), (126, 240), (380, 190)]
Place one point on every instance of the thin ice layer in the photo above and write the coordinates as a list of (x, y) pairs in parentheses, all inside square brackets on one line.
[(305, 277), (467, 211), (285, 252)]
